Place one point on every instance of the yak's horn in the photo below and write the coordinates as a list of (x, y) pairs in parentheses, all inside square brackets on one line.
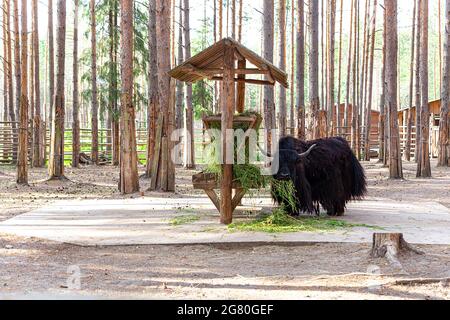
[(264, 151), (305, 154)]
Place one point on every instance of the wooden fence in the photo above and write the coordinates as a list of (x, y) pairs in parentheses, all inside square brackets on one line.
[(9, 136)]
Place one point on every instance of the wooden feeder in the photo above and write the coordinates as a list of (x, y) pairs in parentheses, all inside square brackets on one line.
[(227, 61)]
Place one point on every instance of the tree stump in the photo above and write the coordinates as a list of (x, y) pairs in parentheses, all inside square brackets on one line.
[(389, 246)]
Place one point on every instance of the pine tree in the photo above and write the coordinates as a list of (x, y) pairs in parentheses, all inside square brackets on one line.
[(395, 160), (56, 162), (129, 180)]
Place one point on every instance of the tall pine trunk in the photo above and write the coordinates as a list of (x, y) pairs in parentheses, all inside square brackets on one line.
[(368, 127), (51, 64), (424, 166), (56, 163), (129, 180), (411, 88), (349, 71), (314, 100), (94, 123), (282, 60), (38, 160), (330, 64), (17, 69), (338, 99), (22, 159), (269, 92), (444, 131), (300, 54), (153, 104), (417, 85), (166, 173), (395, 160), (189, 150), (76, 107)]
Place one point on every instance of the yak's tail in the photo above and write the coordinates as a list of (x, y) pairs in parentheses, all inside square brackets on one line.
[(359, 185)]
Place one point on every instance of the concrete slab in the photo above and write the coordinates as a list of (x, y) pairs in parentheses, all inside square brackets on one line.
[(146, 221)]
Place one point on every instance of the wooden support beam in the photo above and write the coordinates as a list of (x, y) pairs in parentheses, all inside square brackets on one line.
[(240, 193), (227, 108), (240, 98), (216, 71), (249, 81), (213, 197)]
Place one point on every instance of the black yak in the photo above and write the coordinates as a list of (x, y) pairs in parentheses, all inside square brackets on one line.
[(324, 172)]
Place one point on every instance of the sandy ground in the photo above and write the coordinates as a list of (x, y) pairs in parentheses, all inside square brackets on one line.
[(36, 268)]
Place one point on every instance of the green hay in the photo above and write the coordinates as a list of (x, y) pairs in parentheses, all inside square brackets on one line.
[(182, 220), (280, 222)]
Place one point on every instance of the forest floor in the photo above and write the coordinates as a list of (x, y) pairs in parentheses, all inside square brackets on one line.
[(34, 268)]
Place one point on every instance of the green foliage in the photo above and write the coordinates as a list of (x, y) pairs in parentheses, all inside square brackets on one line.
[(202, 98), (285, 190), (280, 222), (108, 71), (181, 220)]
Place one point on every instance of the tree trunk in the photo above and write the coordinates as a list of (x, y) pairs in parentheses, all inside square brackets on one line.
[(355, 100), (76, 110), (56, 162), (444, 131), (153, 104), (22, 159), (349, 70), (241, 16), (166, 174), (370, 84), (338, 123), (424, 167), (113, 90), (292, 89), (390, 245), (383, 118), (9, 77), (179, 119), (395, 160), (220, 19), (4, 136), (314, 69), (94, 124), (330, 64), (282, 52), (269, 93), (300, 104), (189, 150), (411, 87), (38, 160), (17, 66), (129, 180), (51, 65)]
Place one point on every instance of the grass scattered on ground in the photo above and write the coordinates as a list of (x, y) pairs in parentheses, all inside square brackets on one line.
[(280, 222), (186, 219)]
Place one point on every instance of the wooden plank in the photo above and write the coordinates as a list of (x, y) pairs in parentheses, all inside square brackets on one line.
[(214, 198), (249, 81), (157, 151), (240, 98), (240, 193)]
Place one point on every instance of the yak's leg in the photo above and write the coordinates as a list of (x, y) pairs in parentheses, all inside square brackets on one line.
[(340, 210)]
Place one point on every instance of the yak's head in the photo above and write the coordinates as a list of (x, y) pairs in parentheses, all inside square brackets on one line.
[(288, 160)]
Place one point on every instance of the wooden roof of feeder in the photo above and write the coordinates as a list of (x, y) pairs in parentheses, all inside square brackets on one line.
[(208, 64)]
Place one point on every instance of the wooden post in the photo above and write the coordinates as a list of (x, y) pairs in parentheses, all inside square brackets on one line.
[(240, 100), (227, 108)]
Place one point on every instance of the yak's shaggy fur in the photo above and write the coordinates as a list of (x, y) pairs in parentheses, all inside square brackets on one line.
[(330, 175)]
